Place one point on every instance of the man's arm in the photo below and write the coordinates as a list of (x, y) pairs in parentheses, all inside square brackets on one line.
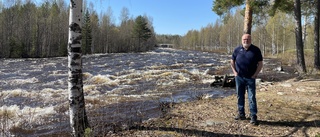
[(233, 66), (259, 67)]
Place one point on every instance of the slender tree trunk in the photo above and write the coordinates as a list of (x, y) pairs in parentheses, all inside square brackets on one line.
[(283, 40), (228, 43), (273, 47), (304, 31), (248, 18), (298, 32), (264, 42), (316, 37), (78, 117)]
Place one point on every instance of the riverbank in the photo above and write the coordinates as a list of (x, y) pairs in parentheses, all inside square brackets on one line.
[(288, 106)]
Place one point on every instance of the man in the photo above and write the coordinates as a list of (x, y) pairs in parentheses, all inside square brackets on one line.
[(246, 64)]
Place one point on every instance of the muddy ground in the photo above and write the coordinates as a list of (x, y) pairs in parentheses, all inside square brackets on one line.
[(288, 105)]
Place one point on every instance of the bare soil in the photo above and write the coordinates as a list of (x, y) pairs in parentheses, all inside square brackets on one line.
[(288, 105)]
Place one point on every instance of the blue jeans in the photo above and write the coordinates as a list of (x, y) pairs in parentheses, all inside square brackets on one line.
[(242, 84)]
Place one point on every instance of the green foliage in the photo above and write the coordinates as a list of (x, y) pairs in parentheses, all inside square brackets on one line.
[(223, 7), (281, 5), (258, 5), (88, 132), (86, 34), (220, 7), (16, 48), (140, 29), (141, 32), (63, 51)]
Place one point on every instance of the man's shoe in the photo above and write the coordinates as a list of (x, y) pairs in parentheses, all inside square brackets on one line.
[(253, 120), (240, 117)]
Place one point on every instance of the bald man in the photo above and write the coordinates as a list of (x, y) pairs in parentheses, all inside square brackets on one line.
[(246, 63)]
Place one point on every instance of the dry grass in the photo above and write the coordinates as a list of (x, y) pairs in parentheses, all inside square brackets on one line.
[(284, 110), (289, 58), (288, 106)]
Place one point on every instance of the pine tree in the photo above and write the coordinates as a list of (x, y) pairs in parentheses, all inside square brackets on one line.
[(222, 8), (299, 43)]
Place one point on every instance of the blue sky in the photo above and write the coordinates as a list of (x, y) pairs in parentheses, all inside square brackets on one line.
[(169, 16)]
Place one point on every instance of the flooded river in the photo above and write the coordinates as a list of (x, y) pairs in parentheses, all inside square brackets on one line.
[(120, 89)]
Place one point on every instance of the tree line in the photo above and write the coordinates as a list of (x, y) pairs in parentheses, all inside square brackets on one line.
[(31, 30), (276, 27), (273, 34)]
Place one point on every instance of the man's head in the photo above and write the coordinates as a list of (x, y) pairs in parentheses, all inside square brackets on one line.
[(246, 40)]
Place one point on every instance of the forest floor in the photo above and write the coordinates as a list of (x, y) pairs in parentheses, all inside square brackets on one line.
[(288, 105)]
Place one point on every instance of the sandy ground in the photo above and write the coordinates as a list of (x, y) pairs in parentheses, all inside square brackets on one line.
[(288, 105)]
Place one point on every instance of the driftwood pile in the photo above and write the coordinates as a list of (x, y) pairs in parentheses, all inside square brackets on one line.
[(223, 81)]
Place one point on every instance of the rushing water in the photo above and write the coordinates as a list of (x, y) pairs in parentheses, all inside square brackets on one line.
[(120, 89)]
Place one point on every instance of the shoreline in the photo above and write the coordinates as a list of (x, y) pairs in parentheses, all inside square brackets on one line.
[(288, 105), (281, 113)]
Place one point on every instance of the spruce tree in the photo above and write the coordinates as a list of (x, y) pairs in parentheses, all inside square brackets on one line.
[(86, 34), (141, 30)]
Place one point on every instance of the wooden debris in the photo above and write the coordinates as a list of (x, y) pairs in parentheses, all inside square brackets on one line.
[(223, 81)]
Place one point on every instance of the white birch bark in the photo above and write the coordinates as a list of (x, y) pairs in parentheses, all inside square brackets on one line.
[(78, 118)]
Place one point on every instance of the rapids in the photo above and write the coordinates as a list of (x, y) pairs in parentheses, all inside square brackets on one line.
[(120, 89)]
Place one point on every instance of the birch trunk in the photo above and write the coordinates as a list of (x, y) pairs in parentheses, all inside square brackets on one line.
[(78, 117)]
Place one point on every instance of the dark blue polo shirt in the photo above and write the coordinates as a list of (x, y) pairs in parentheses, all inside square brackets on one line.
[(246, 61)]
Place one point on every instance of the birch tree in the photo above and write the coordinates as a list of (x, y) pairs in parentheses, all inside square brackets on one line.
[(78, 117)]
